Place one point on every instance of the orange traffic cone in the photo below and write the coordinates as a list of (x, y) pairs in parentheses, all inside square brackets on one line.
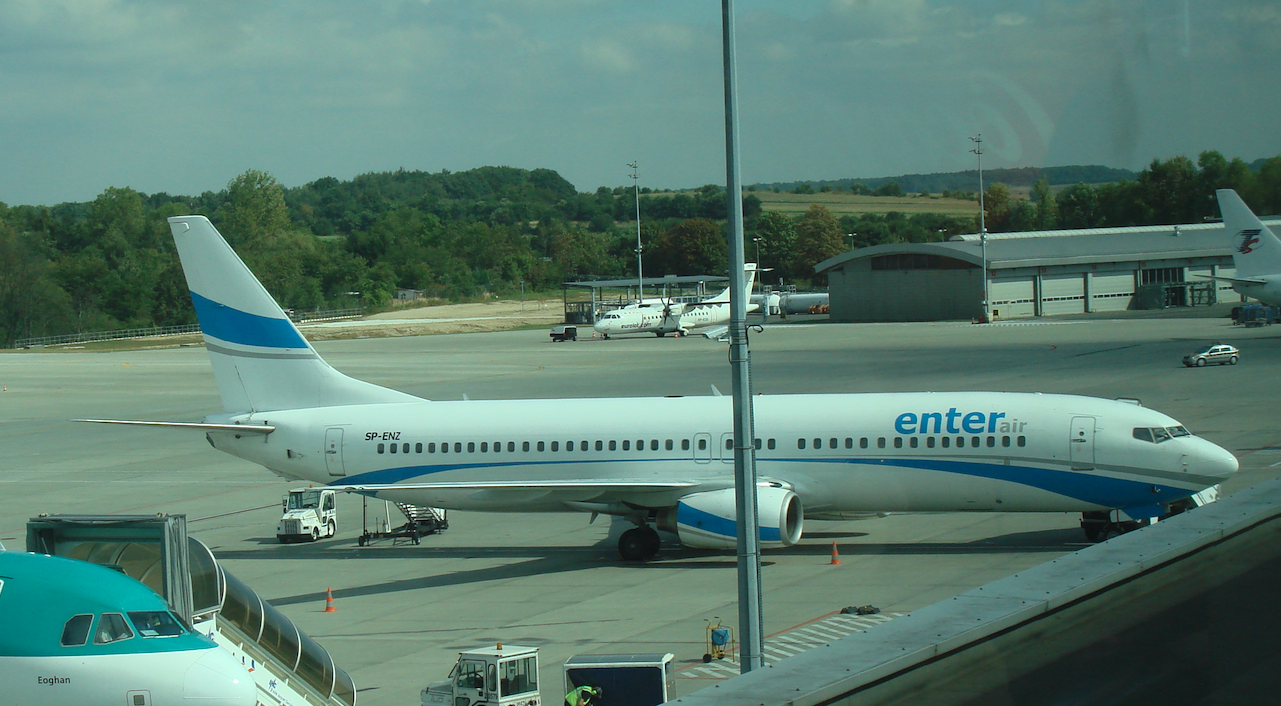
[(329, 593), (836, 558)]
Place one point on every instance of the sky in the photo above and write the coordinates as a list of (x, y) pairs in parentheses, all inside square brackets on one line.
[(181, 96)]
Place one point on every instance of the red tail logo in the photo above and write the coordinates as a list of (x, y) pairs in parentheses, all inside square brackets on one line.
[(1249, 239)]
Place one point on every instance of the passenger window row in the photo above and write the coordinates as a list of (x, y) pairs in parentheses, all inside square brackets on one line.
[(944, 442), (670, 445), (497, 447)]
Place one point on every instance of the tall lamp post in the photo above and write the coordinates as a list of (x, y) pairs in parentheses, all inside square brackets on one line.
[(750, 639), (978, 150), (640, 278)]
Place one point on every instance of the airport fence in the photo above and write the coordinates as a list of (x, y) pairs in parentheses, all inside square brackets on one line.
[(163, 331)]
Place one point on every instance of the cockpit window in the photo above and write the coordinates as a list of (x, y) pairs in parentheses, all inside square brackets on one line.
[(156, 623), (1156, 435), (112, 627), (76, 632)]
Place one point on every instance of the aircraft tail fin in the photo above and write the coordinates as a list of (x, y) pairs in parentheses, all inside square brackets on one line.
[(750, 270), (261, 362), (1255, 249)]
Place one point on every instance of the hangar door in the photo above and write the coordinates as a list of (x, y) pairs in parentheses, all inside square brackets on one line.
[(1012, 297), (1111, 291), (1063, 294)]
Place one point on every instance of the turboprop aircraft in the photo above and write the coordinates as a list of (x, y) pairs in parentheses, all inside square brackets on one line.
[(664, 317), (667, 463), (83, 634), (1256, 251)]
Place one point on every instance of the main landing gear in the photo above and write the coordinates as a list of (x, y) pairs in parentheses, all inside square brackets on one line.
[(1099, 527), (638, 544)]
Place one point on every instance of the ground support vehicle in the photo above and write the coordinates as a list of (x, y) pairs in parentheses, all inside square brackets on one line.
[(496, 676), (421, 521), (564, 333), (1256, 315), (624, 680), (310, 513)]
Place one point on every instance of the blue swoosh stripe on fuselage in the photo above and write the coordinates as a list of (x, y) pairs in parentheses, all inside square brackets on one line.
[(1094, 489), (235, 326), (1099, 490)]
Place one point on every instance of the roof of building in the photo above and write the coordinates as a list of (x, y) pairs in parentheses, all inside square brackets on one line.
[(649, 281), (1066, 247)]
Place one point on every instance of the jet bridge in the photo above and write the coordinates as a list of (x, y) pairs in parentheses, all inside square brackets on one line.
[(288, 666)]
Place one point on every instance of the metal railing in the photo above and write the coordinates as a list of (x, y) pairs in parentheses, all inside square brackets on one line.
[(298, 317)]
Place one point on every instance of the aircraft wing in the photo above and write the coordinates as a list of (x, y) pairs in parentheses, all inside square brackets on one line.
[(575, 484), (1239, 280), (611, 496)]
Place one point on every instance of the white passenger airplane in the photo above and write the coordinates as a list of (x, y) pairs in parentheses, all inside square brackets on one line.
[(664, 462), (1256, 252), (664, 317)]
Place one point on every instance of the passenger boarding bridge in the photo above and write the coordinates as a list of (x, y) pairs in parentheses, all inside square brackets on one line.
[(288, 666)]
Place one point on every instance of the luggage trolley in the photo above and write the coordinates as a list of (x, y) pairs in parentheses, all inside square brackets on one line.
[(720, 640)]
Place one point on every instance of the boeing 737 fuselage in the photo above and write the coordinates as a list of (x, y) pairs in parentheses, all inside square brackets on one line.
[(666, 463)]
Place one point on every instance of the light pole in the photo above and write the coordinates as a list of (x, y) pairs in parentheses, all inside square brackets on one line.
[(750, 640), (757, 240), (640, 278), (851, 237), (978, 150)]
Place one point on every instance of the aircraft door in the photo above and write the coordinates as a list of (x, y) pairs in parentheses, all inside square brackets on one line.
[(1081, 445), (727, 447), (702, 447), (333, 452)]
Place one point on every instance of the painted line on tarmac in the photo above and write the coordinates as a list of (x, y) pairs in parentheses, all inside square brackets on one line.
[(793, 641)]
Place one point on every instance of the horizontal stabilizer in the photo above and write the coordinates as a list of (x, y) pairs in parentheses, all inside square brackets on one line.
[(237, 428)]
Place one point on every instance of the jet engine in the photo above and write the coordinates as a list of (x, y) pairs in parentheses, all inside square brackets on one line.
[(707, 520)]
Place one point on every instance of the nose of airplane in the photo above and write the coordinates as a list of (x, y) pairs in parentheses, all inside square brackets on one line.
[(1212, 460), (217, 679), (600, 326)]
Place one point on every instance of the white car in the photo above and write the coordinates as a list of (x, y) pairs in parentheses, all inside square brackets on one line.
[(1220, 353)]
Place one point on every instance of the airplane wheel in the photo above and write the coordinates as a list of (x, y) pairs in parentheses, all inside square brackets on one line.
[(633, 544), (652, 541), (333, 528), (315, 533), (707, 658)]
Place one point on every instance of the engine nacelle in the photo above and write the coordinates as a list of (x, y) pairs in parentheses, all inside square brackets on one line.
[(707, 520)]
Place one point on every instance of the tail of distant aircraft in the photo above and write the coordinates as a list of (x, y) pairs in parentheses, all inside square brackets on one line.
[(260, 360), (750, 270), (1255, 250)]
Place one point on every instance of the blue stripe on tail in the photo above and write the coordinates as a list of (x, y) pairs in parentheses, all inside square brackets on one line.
[(234, 326)]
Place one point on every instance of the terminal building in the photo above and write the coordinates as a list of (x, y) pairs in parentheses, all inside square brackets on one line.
[(1038, 273)]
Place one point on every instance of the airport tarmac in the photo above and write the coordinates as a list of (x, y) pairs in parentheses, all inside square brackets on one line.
[(554, 581)]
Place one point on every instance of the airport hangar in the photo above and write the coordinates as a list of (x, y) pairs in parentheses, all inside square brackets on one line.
[(1035, 273)]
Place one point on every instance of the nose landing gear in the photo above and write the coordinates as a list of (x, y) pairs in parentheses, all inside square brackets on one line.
[(638, 544)]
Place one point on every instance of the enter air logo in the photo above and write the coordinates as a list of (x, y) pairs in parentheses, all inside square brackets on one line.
[(956, 422)]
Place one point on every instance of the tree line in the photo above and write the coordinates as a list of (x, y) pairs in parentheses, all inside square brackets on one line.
[(110, 263)]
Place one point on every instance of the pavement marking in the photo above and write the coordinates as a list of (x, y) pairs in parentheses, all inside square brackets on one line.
[(793, 641)]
